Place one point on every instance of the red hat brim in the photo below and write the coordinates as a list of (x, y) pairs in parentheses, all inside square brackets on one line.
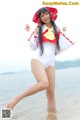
[(53, 12)]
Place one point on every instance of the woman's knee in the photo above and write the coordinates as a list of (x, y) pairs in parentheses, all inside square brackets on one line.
[(45, 84), (50, 93)]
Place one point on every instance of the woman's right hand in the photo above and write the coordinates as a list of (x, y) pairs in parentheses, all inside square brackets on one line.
[(27, 27)]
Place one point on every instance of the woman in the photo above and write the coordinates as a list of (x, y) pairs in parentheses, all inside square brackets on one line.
[(46, 36)]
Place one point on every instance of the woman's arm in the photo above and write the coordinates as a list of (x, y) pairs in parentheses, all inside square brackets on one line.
[(36, 30), (35, 42)]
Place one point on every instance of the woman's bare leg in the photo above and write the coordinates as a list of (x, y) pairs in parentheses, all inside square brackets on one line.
[(50, 92), (51, 117), (42, 83)]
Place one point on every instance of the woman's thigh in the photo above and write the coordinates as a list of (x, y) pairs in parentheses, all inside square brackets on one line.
[(50, 71), (38, 71)]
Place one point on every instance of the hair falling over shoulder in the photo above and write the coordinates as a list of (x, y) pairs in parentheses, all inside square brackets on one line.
[(40, 36), (43, 10)]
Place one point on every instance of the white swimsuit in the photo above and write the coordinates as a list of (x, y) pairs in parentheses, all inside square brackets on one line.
[(48, 57), (50, 48)]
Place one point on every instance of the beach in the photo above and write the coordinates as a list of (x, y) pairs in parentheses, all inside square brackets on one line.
[(35, 107)]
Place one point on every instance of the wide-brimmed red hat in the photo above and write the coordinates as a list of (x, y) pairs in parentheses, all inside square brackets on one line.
[(53, 12)]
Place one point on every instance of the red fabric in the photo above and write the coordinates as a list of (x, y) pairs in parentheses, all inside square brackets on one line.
[(53, 14)]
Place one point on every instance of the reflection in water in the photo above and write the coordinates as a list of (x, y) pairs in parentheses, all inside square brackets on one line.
[(52, 117)]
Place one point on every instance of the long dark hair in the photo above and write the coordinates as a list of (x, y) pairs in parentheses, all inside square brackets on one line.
[(43, 10)]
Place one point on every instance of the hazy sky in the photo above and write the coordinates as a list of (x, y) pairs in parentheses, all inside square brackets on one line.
[(15, 54)]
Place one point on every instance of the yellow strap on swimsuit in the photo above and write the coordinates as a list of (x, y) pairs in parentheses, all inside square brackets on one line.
[(50, 34)]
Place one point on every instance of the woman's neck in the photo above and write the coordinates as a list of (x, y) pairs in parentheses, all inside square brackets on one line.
[(49, 25)]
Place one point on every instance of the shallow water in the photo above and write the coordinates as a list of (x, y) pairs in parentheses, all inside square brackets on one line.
[(35, 107)]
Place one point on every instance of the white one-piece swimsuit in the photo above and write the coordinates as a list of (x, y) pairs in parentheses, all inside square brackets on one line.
[(48, 57)]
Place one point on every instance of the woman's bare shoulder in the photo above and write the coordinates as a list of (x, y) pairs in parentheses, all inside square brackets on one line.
[(36, 30)]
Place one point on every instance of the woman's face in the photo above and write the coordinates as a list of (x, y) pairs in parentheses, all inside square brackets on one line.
[(45, 17)]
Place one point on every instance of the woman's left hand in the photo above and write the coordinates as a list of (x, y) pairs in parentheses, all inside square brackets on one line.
[(64, 29)]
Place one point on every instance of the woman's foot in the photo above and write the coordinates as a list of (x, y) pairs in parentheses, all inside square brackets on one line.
[(51, 117), (51, 107), (13, 102), (52, 111)]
